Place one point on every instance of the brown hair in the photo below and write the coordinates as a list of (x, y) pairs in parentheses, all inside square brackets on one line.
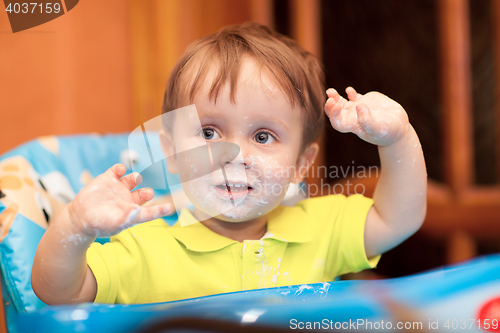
[(297, 72)]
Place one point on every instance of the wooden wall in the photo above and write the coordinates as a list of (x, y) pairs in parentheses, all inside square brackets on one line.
[(103, 66), (70, 75)]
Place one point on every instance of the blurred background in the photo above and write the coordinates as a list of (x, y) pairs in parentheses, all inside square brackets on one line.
[(103, 66)]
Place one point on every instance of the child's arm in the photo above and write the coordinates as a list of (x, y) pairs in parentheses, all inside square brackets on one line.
[(102, 208), (400, 196)]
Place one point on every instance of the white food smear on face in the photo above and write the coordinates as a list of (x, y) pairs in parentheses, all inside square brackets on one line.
[(268, 179)]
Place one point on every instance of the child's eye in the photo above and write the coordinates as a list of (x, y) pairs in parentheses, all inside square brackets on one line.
[(264, 138), (208, 133)]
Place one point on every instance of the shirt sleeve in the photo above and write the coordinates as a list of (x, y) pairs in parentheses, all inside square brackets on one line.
[(117, 268), (350, 224), (105, 272)]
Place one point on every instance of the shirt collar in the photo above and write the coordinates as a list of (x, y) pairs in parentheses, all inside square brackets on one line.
[(195, 236), (286, 224), (289, 224)]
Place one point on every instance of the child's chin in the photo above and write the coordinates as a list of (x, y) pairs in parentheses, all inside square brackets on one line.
[(235, 212), (235, 219), (239, 215)]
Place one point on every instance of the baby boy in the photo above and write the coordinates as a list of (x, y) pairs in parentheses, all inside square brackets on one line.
[(261, 92)]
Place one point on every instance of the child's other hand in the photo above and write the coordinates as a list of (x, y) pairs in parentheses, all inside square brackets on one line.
[(373, 117), (107, 206)]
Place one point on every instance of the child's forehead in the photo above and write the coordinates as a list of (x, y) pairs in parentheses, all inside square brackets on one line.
[(251, 75), (209, 78), (257, 97)]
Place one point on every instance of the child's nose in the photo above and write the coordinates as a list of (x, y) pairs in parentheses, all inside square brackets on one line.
[(242, 158)]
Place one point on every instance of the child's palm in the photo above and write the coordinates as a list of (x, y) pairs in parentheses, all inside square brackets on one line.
[(106, 205), (373, 117)]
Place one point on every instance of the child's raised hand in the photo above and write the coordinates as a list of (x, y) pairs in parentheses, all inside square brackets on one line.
[(373, 117), (107, 206)]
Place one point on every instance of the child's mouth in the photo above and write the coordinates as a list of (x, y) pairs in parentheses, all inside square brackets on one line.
[(233, 191)]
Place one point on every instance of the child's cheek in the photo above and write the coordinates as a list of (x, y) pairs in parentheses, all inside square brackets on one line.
[(272, 178)]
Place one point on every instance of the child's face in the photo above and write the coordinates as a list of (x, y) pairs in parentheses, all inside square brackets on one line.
[(268, 131)]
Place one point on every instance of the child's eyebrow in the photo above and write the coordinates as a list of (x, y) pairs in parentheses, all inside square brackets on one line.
[(277, 121), (210, 114), (213, 114)]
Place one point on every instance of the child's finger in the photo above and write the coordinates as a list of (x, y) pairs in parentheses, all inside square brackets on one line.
[(351, 93), (337, 119), (142, 195), (365, 120), (328, 106), (132, 180), (333, 108), (132, 216), (332, 93), (153, 212), (117, 170), (336, 111)]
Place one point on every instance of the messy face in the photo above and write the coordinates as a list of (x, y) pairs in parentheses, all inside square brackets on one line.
[(266, 131)]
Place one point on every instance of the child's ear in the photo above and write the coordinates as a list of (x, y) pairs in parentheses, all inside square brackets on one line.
[(168, 148), (304, 162)]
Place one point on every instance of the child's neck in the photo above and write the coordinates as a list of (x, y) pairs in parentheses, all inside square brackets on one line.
[(239, 231)]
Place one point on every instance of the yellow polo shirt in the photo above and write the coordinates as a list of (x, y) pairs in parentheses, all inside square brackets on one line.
[(315, 241)]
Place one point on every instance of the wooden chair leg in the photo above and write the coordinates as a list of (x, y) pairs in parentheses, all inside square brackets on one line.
[(460, 246)]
